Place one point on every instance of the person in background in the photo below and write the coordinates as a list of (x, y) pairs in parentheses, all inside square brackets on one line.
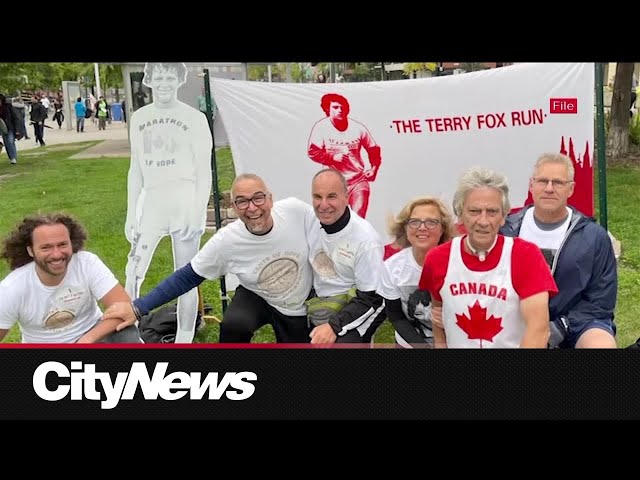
[(10, 128), (58, 116), (81, 111), (38, 116), (102, 112), (21, 109)]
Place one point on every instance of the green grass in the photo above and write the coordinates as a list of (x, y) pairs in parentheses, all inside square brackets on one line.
[(623, 198), (94, 190)]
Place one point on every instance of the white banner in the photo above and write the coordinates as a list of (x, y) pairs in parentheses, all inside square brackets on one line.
[(422, 134)]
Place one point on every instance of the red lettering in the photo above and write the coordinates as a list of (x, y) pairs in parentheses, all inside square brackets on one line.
[(491, 120), (502, 294), (448, 124)]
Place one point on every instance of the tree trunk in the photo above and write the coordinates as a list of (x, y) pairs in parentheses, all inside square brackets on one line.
[(618, 137), (289, 78)]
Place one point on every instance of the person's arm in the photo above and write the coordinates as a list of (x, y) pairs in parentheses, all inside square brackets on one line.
[(598, 299), (535, 312), (401, 324), (134, 186), (534, 284), (439, 337), (374, 153), (367, 271), (320, 155), (432, 278), (362, 305), (8, 313), (107, 326), (201, 146), (178, 283), (318, 152)]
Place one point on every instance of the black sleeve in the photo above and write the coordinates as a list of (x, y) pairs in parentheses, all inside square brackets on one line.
[(401, 324), (364, 304), (178, 283)]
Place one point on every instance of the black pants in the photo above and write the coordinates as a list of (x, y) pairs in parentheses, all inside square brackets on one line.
[(248, 312), (38, 131)]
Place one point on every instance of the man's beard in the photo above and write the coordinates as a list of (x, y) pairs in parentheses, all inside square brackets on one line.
[(44, 266)]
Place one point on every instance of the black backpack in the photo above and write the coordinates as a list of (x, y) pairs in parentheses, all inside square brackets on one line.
[(635, 345), (160, 326)]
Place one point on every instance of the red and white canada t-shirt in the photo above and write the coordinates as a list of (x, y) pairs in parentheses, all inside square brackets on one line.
[(481, 300)]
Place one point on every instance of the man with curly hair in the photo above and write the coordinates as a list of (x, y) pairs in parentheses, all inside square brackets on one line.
[(54, 286)]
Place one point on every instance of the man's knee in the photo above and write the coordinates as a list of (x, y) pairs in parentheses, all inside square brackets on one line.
[(597, 334), (237, 322)]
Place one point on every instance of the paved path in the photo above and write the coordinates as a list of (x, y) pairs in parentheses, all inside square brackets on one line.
[(115, 139)]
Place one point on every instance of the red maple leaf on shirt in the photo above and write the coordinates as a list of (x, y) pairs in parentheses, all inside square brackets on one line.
[(477, 325)]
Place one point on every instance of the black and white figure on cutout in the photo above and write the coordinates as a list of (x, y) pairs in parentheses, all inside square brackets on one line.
[(169, 183)]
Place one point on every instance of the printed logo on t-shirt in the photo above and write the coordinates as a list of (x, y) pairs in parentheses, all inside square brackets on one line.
[(65, 304), (278, 276), (477, 325), (419, 307), (549, 254), (323, 265)]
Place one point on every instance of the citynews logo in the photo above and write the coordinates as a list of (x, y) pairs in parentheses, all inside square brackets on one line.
[(84, 378), (563, 105)]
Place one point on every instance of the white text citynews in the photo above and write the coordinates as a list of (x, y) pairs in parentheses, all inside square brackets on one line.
[(83, 380)]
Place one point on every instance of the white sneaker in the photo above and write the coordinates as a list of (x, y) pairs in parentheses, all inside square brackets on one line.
[(13, 161)]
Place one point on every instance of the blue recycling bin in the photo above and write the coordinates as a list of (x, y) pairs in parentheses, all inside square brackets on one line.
[(116, 112)]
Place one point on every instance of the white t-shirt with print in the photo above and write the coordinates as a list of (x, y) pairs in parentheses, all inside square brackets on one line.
[(274, 266), (352, 256), (60, 314), (399, 280)]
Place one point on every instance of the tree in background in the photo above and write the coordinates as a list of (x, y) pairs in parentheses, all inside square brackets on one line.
[(411, 69), (618, 135), (17, 77)]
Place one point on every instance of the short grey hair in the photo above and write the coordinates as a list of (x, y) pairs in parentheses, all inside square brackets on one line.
[(246, 176), (556, 158), (478, 177)]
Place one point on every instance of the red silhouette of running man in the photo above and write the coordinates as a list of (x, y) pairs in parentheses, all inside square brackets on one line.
[(336, 142)]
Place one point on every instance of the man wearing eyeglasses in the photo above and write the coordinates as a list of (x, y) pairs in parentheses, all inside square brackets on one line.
[(346, 254), (267, 250), (578, 252)]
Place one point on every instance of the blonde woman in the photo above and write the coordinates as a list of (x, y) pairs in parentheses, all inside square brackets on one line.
[(421, 224)]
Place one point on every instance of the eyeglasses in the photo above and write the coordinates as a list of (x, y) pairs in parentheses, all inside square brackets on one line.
[(543, 182), (258, 200), (429, 223)]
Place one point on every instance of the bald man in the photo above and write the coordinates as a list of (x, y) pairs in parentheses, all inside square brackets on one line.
[(267, 250)]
